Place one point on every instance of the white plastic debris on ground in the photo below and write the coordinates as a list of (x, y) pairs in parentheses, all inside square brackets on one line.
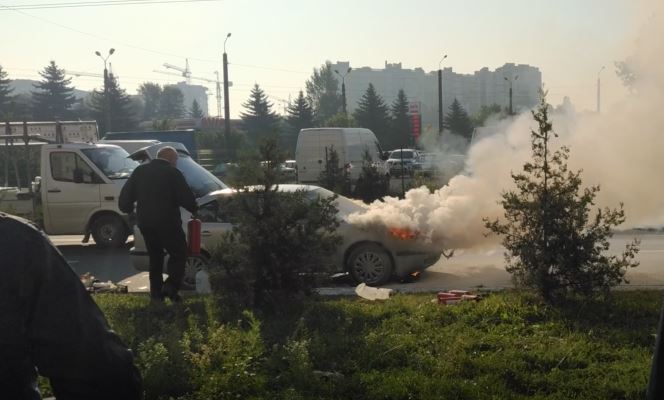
[(372, 293)]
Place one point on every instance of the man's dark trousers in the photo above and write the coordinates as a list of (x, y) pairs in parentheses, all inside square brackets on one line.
[(173, 241)]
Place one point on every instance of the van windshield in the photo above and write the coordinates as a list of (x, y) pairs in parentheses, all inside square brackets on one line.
[(112, 161)]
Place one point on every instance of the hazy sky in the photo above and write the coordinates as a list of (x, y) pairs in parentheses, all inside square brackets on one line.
[(277, 43)]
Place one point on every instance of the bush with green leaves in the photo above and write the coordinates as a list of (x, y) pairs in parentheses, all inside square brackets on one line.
[(371, 184), (281, 243), (334, 177), (554, 243)]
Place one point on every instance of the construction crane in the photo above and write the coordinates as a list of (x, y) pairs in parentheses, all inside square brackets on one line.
[(217, 82), (184, 72)]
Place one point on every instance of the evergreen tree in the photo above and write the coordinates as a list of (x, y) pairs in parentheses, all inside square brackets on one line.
[(259, 120), (480, 117), (323, 93), (458, 122), (401, 132), (54, 96), (341, 120), (371, 184), (333, 176), (5, 93), (196, 111), (372, 113), (171, 103), (300, 115), (554, 245), (122, 114), (151, 94)]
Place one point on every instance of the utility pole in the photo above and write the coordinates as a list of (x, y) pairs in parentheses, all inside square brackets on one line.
[(440, 96), (227, 108), (343, 88), (107, 100), (598, 86), (511, 81)]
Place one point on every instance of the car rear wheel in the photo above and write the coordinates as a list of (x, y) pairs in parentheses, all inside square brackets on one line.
[(191, 267), (109, 231), (370, 263)]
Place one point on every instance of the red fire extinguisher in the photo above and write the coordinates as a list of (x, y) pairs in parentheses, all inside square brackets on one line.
[(194, 236)]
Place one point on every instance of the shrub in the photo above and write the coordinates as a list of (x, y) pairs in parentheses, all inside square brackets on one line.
[(553, 243), (371, 184), (334, 177)]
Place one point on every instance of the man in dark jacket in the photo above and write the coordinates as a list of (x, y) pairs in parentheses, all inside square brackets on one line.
[(49, 322), (159, 190)]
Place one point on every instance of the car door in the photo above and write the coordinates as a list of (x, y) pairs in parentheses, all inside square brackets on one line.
[(216, 218), (72, 193)]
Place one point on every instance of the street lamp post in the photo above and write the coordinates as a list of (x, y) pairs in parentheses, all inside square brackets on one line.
[(598, 85), (343, 88), (107, 100), (511, 81), (440, 96), (227, 107)]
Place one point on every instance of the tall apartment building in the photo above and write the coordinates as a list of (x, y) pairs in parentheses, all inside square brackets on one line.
[(482, 88)]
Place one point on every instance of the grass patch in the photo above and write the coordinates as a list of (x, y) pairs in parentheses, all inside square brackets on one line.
[(508, 346)]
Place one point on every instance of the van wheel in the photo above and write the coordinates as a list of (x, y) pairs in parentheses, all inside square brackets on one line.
[(370, 263), (109, 231)]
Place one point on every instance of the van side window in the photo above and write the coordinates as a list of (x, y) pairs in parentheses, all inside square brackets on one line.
[(70, 167)]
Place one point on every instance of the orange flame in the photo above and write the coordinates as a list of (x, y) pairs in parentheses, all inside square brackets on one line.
[(403, 234)]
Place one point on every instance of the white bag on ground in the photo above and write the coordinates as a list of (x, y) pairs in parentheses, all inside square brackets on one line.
[(203, 282), (372, 293)]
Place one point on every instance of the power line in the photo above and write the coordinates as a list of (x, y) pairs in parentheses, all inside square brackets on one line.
[(98, 4)]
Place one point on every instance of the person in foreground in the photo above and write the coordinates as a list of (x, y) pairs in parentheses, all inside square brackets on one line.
[(159, 190), (50, 324)]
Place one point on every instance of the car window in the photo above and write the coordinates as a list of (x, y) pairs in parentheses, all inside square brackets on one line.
[(66, 166)]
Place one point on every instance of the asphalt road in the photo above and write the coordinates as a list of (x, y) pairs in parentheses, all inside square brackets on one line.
[(466, 270)]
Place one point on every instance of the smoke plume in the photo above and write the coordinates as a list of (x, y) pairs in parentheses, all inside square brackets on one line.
[(620, 150)]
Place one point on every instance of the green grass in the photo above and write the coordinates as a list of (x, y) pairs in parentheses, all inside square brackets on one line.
[(508, 346)]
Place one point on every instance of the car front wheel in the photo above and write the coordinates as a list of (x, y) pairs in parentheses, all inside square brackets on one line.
[(109, 231), (191, 267), (370, 263)]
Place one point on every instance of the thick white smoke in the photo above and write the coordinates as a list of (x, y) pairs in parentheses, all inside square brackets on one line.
[(621, 150)]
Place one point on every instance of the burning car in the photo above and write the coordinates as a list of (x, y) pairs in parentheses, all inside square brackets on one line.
[(373, 256)]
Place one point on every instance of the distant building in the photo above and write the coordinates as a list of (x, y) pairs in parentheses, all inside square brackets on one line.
[(191, 93), (482, 88)]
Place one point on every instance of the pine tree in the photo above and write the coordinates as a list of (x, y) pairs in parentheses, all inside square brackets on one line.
[(196, 111), (401, 132), (5, 93), (333, 176), (323, 93), (122, 114), (171, 103), (554, 245), (458, 122), (54, 97), (300, 115), (371, 184), (372, 113), (151, 94), (259, 120)]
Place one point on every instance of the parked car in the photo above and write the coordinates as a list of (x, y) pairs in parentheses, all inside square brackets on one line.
[(222, 170), (370, 256), (402, 161), (286, 173)]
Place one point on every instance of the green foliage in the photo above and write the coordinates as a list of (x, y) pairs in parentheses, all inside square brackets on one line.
[(340, 120), (122, 114), (196, 111), (479, 118), (300, 114), (5, 93), (510, 345), (171, 103), (281, 241), (151, 95), (371, 184), (54, 96), (400, 124), (322, 93), (458, 122), (627, 73), (259, 120), (333, 176), (553, 243), (165, 124), (372, 113)]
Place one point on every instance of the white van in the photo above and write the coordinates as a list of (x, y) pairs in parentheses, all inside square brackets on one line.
[(314, 145), (130, 146)]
